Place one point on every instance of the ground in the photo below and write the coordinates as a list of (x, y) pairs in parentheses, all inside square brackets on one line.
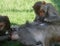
[(19, 11)]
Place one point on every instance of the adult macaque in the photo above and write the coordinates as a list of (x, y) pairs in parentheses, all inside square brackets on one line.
[(33, 34)]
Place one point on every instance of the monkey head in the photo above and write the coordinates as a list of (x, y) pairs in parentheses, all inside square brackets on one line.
[(40, 8)]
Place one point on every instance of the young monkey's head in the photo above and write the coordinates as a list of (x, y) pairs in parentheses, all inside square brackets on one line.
[(40, 8), (4, 23)]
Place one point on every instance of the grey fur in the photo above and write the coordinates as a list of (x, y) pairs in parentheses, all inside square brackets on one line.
[(31, 33)]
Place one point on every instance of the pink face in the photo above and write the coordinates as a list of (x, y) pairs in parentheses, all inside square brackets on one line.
[(41, 13)]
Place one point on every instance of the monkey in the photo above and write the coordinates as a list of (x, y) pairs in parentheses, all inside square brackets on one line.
[(45, 12), (40, 14), (33, 34), (5, 29)]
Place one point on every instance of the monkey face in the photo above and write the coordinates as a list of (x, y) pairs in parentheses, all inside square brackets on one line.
[(2, 26), (41, 13)]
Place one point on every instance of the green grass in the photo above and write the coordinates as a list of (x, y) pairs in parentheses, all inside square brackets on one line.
[(19, 11)]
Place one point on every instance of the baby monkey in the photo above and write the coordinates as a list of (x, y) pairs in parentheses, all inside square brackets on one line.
[(45, 12)]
